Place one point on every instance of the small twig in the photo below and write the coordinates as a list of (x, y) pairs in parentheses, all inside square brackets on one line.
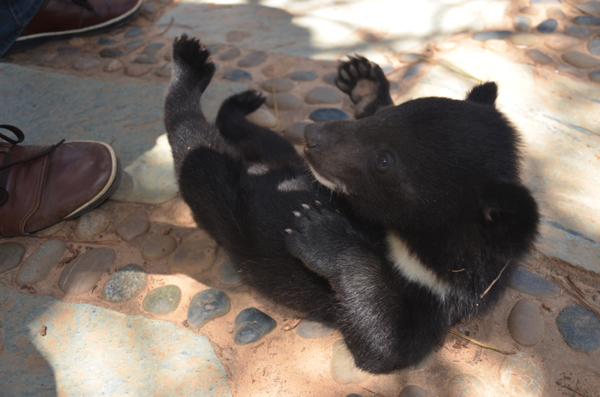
[(374, 393), (458, 271), (574, 286), (583, 300), (456, 333), (256, 348), (451, 67), (573, 390), (494, 282), (102, 242)]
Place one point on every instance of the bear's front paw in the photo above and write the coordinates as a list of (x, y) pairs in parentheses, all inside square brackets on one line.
[(318, 236), (365, 83)]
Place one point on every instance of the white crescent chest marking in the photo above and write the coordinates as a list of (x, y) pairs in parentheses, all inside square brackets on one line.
[(413, 269)]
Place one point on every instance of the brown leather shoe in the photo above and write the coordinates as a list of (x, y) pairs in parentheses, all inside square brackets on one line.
[(40, 186), (59, 19)]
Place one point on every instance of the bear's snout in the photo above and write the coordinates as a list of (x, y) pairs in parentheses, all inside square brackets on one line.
[(312, 135)]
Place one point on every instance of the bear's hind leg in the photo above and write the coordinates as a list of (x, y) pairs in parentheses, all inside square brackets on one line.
[(255, 143), (366, 84), (185, 123)]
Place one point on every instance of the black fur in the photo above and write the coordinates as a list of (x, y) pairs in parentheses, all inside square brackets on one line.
[(435, 177)]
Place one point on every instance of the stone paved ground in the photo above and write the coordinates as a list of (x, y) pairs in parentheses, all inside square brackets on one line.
[(134, 300)]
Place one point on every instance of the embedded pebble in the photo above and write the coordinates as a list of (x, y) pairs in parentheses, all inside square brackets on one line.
[(196, 254), (134, 44), (465, 385), (83, 273), (522, 23), (353, 395), (236, 36), (530, 10), (548, 26), (413, 70), (263, 118), (86, 64), (591, 7), (11, 255), (492, 34), (561, 42), (320, 95), (36, 52), (278, 68), (164, 71), (114, 66), (229, 54), (254, 59), (579, 328), (413, 391), (295, 132), (251, 325), (524, 281), (134, 32), (496, 45), (229, 273), (68, 50), (134, 70), (277, 84), (580, 59), (577, 31), (538, 56), (329, 115), (594, 46), (587, 20), (595, 76), (285, 101), (136, 224), (213, 48), (521, 376), (237, 75), (127, 283), (162, 300), (555, 13), (525, 323), (343, 369), (52, 230), (110, 53), (152, 49), (146, 60), (105, 41), (330, 77), (524, 39), (206, 306), (90, 225), (40, 262), (313, 330), (303, 75), (158, 246), (182, 213)]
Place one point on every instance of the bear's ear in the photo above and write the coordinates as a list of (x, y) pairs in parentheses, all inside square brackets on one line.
[(509, 213), (484, 94)]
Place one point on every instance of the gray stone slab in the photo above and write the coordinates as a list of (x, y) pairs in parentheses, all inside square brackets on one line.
[(561, 142), (52, 106), (91, 351)]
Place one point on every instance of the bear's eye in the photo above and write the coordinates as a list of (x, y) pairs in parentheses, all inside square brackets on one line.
[(384, 161)]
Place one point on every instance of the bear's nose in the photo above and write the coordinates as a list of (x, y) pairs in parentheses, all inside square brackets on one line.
[(311, 135)]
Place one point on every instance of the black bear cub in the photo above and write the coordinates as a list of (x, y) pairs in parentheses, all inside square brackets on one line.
[(392, 227)]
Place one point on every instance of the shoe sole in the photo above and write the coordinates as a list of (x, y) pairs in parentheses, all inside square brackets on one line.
[(26, 42), (110, 187)]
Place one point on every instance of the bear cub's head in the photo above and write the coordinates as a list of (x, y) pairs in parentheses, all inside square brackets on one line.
[(427, 164)]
